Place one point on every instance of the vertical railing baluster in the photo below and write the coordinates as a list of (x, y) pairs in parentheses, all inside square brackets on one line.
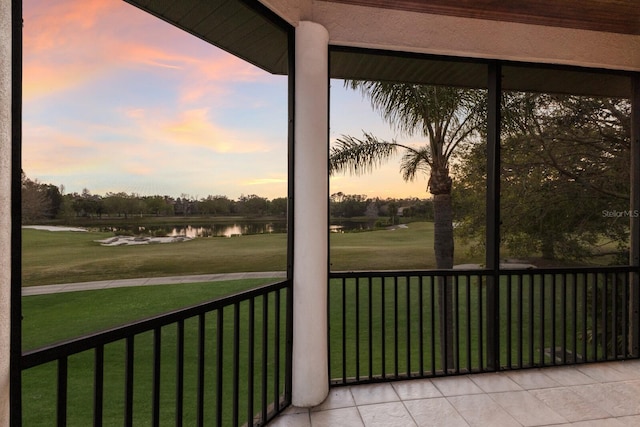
[(625, 313), (128, 394), (250, 362), (408, 323), (542, 317), (157, 336), (421, 324), (585, 310), (395, 326), (432, 295), (62, 391), (220, 365), (357, 326), (563, 316), (481, 326), (614, 316), (520, 321), (531, 320), (509, 320), (370, 318), (456, 318), (574, 319), (594, 315), (330, 322), (276, 353), (552, 300), (605, 320), (265, 352), (98, 386), (344, 331), (180, 373), (468, 302), (235, 392), (201, 365), (384, 322)]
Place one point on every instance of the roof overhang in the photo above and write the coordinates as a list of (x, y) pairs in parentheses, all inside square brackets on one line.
[(249, 30)]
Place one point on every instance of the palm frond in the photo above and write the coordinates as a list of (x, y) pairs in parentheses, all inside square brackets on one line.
[(360, 156), (414, 162)]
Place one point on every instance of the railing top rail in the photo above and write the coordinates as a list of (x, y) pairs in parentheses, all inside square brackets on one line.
[(484, 272), (55, 351)]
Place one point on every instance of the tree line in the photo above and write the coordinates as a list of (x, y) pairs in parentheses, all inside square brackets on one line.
[(42, 201)]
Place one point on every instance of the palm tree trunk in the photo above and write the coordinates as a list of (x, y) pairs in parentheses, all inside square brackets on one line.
[(440, 187)]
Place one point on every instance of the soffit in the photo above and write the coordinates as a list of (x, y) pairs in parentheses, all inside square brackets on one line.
[(346, 63), (616, 16), (250, 31), (246, 30)]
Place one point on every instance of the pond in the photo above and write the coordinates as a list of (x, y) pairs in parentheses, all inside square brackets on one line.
[(238, 228)]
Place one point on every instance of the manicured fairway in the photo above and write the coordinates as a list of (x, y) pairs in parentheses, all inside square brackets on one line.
[(67, 257)]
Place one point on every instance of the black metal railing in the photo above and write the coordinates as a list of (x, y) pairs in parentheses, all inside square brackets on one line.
[(405, 324), (225, 362)]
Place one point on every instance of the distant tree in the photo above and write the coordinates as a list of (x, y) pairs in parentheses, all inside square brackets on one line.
[(565, 161), (278, 206), (392, 210), (252, 205), (35, 203), (216, 205)]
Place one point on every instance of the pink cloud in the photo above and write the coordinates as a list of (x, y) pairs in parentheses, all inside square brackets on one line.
[(71, 42)]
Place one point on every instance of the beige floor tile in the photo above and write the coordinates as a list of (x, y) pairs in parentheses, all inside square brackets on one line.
[(609, 422), (602, 372), (495, 382), (339, 397), (571, 405), (455, 386), (435, 412), (374, 393), (630, 368), (569, 375), (392, 414), (342, 417), (526, 409), (416, 389), (633, 420), (532, 379), (292, 420), (480, 410), (615, 398), (295, 410)]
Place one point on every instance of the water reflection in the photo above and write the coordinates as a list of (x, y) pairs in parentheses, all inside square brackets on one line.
[(226, 229)]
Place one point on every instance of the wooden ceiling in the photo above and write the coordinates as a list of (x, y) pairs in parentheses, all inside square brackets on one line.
[(617, 16)]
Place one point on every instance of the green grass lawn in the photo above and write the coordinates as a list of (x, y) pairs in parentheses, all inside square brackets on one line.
[(68, 257), (51, 318), (62, 257)]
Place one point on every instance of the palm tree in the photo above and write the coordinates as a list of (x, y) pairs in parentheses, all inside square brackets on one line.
[(448, 118)]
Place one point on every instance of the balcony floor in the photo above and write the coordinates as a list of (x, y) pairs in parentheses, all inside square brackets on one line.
[(602, 394)]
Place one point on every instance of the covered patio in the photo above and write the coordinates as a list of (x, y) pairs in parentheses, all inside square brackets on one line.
[(515, 330), (603, 394)]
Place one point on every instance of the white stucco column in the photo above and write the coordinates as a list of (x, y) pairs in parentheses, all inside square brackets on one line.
[(310, 359), (5, 207)]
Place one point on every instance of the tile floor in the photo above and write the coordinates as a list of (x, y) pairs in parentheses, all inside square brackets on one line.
[(604, 394)]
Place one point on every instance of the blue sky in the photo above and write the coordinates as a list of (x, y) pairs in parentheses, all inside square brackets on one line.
[(117, 100)]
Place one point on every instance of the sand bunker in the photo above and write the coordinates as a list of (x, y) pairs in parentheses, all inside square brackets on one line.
[(53, 228), (139, 240)]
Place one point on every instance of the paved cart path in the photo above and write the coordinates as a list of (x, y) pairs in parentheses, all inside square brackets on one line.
[(106, 284)]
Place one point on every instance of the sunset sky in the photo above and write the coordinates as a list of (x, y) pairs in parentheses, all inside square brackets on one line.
[(117, 100)]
